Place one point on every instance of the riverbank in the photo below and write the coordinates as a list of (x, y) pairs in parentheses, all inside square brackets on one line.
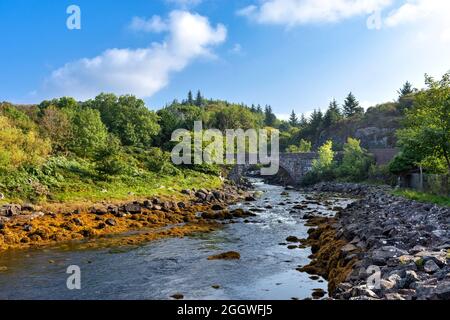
[(381, 247), (26, 226)]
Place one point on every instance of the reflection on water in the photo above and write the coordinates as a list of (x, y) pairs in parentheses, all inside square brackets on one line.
[(160, 269)]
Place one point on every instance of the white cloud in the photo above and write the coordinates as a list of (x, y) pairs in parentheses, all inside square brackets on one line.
[(430, 18), (142, 71), (299, 12), (153, 24)]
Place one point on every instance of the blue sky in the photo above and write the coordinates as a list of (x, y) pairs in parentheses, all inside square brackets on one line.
[(292, 54)]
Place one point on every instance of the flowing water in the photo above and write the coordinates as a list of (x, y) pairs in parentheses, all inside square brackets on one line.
[(157, 270)]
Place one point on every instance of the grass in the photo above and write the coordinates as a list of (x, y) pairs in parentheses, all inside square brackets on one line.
[(424, 197), (74, 188)]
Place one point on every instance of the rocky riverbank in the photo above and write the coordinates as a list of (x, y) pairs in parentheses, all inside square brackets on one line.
[(381, 247), (24, 226)]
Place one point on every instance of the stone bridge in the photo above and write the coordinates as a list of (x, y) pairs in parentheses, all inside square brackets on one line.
[(295, 165)]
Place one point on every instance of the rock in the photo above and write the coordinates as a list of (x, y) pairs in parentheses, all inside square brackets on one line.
[(3, 269), (111, 222), (77, 221), (291, 247), (380, 256), (409, 279), (292, 239), (364, 291), (181, 205), (250, 199), (10, 210), (177, 296), (133, 208), (216, 286), (231, 255), (430, 267), (98, 210), (2, 196), (318, 293), (348, 248), (393, 296), (217, 207), (27, 228)]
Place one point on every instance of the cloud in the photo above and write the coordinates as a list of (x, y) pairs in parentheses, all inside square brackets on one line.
[(185, 3), (428, 17), (142, 71), (300, 12), (236, 49), (153, 24)]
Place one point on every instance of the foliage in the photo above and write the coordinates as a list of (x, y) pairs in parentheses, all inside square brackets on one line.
[(325, 158), (355, 163), (89, 132), (19, 148), (128, 118), (424, 197), (351, 106), (426, 132), (304, 146)]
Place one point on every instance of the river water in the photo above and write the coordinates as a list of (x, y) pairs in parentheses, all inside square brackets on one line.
[(158, 270)]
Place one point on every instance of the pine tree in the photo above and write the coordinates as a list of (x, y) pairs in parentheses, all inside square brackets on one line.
[(293, 120), (190, 99), (303, 120), (351, 106), (259, 109), (199, 99), (270, 117), (407, 89), (333, 114)]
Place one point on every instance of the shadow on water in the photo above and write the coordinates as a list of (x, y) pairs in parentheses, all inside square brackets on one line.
[(162, 268)]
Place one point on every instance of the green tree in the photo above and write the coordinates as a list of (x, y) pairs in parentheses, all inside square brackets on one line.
[(190, 99), (427, 125), (351, 106), (355, 162), (406, 90), (270, 118), (128, 118), (303, 147), (89, 132), (293, 120), (333, 114), (199, 99), (325, 158), (56, 126)]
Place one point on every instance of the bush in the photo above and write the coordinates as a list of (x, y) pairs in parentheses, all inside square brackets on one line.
[(355, 163), (18, 148)]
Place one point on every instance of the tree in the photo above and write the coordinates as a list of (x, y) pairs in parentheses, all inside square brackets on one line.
[(406, 96), (406, 90), (19, 148), (293, 120), (333, 114), (316, 121), (325, 158), (55, 125), (190, 99), (89, 132), (270, 117), (427, 125), (303, 147), (355, 162), (199, 99), (351, 106), (128, 118)]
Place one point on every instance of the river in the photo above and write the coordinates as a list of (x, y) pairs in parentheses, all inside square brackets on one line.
[(160, 269)]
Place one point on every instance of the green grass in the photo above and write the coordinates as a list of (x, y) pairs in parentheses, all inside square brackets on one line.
[(424, 197)]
